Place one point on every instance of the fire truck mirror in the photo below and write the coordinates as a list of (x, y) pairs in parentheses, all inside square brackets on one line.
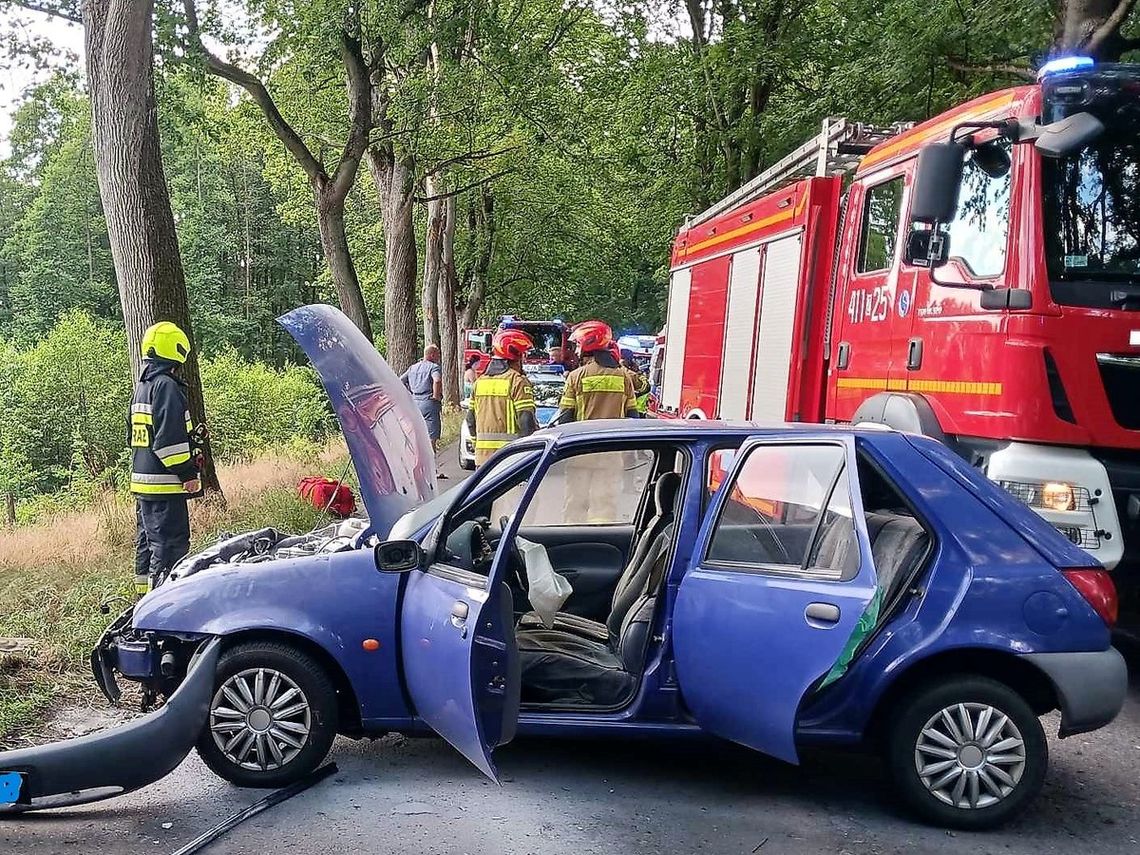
[(923, 249), (1069, 135), (937, 182)]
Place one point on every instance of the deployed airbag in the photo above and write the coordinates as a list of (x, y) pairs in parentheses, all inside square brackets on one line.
[(546, 589)]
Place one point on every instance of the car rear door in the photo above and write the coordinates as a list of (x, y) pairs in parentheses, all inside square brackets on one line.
[(774, 595), (461, 665)]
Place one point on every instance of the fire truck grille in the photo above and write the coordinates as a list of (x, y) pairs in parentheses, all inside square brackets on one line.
[(1120, 374)]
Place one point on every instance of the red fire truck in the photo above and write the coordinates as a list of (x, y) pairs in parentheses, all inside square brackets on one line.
[(978, 280)]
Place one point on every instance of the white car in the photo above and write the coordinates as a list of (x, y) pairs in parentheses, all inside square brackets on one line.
[(548, 385)]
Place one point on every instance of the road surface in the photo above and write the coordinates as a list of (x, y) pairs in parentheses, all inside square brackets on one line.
[(419, 796)]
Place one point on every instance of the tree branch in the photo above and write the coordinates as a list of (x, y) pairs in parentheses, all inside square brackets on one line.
[(466, 157), (1017, 71), (256, 89), (487, 179), (359, 114), (1111, 25), (63, 11)]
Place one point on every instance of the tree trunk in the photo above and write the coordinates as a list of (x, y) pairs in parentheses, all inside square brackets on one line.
[(1091, 27), (132, 185), (393, 178), (481, 219), (433, 250), (334, 246), (450, 352)]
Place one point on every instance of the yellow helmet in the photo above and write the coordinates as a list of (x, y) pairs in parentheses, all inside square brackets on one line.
[(166, 341)]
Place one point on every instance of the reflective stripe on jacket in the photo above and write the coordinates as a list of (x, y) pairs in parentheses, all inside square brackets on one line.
[(497, 402), (159, 428), (597, 392)]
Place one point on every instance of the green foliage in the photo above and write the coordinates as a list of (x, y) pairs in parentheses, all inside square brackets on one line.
[(64, 400)]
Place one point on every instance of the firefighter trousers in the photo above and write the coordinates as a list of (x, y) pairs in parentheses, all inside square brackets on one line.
[(163, 536)]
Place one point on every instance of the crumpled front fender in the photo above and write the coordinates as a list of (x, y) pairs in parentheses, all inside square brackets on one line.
[(116, 761)]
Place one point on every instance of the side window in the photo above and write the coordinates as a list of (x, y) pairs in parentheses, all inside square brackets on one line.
[(600, 488), (980, 229), (882, 209), (720, 461), (789, 511)]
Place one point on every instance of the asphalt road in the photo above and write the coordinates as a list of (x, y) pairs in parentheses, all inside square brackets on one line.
[(420, 796)]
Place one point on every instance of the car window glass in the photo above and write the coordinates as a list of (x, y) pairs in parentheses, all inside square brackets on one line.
[(776, 498), (600, 488), (835, 550), (981, 224), (882, 207)]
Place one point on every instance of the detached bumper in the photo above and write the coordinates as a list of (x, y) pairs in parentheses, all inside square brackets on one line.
[(1091, 687), (116, 761)]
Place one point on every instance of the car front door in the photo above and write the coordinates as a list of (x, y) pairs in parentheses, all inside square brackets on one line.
[(780, 577), (461, 665)]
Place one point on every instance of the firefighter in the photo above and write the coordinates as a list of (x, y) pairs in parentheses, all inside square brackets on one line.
[(598, 389), (502, 404), (165, 460)]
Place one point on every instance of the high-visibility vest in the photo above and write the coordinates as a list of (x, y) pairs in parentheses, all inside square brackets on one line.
[(497, 402)]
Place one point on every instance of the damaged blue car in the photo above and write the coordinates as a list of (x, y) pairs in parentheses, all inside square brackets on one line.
[(777, 586)]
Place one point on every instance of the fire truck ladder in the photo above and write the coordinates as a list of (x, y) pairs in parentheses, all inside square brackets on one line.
[(836, 150)]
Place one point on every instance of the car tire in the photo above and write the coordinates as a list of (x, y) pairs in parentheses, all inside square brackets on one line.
[(976, 777), (273, 715), (469, 465)]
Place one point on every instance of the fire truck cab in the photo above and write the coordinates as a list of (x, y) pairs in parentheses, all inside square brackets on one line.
[(978, 281)]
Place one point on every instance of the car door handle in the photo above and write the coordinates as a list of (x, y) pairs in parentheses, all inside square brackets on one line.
[(459, 614), (822, 614)]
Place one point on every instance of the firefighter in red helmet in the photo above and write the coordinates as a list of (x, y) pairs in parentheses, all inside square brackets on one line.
[(502, 404)]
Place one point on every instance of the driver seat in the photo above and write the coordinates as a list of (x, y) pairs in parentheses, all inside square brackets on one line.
[(632, 581)]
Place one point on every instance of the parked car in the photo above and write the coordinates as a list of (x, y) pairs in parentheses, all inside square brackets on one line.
[(779, 587), (549, 382)]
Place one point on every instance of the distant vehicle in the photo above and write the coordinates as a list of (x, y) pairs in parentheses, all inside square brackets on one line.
[(641, 346), (976, 282), (551, 338), (777, 586), (548, 385)]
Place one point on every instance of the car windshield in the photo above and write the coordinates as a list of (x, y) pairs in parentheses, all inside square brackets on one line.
[(1091, 212), (546, 337)]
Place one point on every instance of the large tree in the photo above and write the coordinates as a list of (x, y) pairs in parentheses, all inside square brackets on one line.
[(330, 187), (1094, 27)]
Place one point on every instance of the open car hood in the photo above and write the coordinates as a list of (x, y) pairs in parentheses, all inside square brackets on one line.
[(386, 434)]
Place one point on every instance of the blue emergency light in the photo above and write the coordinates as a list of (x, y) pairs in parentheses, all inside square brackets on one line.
[(1065, 64)]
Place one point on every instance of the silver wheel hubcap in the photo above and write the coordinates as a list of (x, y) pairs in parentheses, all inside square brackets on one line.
[(260, 719), (970, 756)]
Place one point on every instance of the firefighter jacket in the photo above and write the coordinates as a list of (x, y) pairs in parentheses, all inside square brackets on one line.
[(597, 391), (640, 388), (503, 407), (159, 429)]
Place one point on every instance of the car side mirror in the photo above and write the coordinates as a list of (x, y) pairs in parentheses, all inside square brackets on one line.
[(398, 556), (934, 196)]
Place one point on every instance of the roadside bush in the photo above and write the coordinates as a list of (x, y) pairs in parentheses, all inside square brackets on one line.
[(64, 400)]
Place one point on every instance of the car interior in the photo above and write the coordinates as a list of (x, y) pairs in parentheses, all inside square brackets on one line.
[(615, 559)]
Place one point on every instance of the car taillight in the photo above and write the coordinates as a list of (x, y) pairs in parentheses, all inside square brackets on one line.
[(1097, 587)]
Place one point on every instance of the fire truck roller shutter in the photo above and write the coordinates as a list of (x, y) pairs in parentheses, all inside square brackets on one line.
[(739, 334), (677, 321), (776, 331)]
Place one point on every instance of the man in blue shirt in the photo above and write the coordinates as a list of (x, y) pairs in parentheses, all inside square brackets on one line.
[(424, 380)]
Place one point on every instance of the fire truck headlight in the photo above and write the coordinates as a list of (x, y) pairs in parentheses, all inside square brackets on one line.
[(1058, 497), (1050, 496)]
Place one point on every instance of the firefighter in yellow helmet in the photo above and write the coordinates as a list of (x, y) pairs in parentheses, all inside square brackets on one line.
[(165, 460), (502, 404)]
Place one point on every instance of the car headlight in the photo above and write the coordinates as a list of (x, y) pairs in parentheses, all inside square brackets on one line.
[(1049, 495)]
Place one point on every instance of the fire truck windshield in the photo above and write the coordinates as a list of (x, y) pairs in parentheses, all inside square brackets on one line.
[(1092, 223)]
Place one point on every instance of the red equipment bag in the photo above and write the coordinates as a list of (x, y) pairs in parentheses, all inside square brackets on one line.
[(324, 493)]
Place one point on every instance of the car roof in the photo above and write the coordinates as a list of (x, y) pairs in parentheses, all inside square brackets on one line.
[(701, 429)]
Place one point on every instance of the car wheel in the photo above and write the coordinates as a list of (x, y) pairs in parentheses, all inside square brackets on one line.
[(272, 717), (467, 464), (967, 752)]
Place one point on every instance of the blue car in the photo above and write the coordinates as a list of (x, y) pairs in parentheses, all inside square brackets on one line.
[(778, 586)]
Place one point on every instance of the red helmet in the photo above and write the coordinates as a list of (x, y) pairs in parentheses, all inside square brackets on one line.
[(591, 336), (614, 351), (511, 344)]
